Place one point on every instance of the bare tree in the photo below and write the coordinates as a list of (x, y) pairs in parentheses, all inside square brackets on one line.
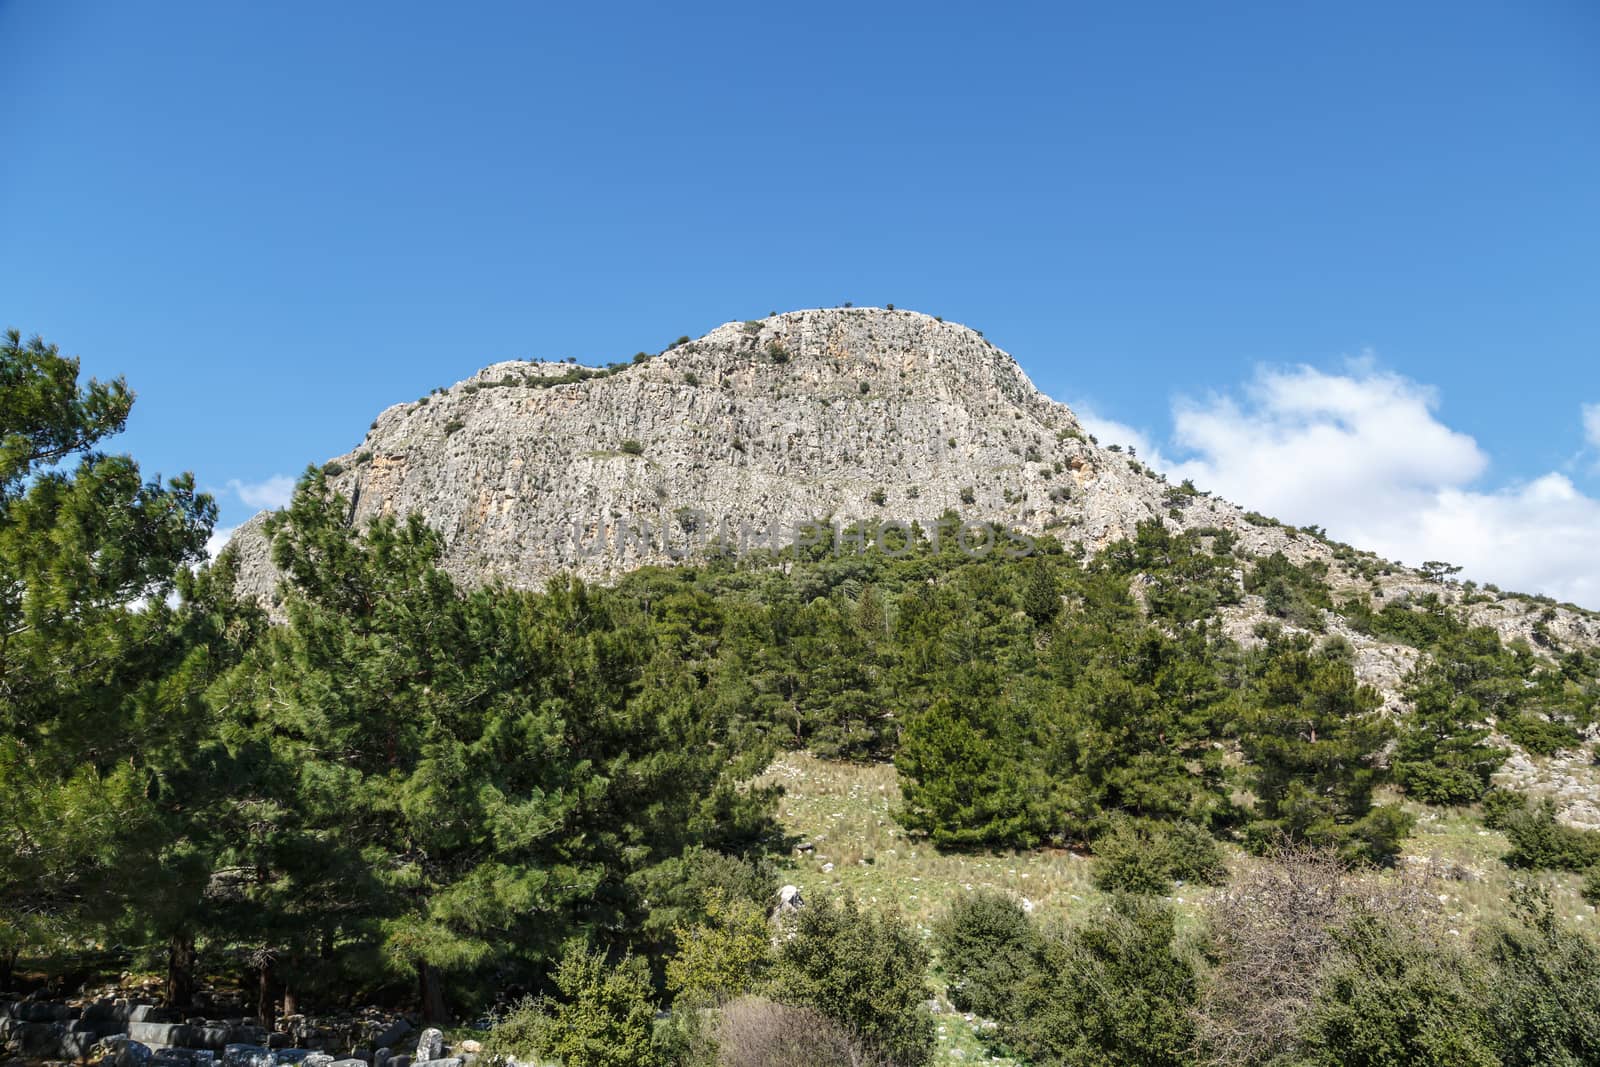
[(1273, 931), (760, 1033)]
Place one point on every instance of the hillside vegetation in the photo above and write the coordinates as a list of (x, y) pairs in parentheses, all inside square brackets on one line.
[(1073, 794)]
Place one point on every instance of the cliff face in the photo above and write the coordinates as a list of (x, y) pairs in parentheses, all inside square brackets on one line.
[(845, 413), (742, 437)]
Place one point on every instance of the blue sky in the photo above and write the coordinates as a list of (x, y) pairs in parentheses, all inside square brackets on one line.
[(1187, 219)]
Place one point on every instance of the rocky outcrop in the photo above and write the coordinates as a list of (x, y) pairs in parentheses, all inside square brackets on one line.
[(738, 439), (841, 414)]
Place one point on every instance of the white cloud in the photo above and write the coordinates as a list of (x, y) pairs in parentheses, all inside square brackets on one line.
[(1365, 454), (1111, 432), (218, 540), (274, 492), (1591, 424)]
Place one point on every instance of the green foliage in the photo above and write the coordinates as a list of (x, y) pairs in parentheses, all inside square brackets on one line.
[(862, 969), (601, 1017), (1296, 594), (1041, 596), (1501, 806), (1141, 856), (1394, 997), (723, 957), (971, 779), (1114, 990), (464, 780), (1540, 842), (632, 448), (987, 946), (1311, 736), (1543, 987), (104, 758), (1539, 735)]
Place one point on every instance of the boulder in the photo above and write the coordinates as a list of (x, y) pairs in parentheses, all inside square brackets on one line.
[(430, 1046), (120, 1051), (162, 1035), (391, 1037), (241, 1055)]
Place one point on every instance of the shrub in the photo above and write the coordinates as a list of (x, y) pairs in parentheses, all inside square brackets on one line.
[(602, 1018), (1272, 935), (1540, 842), (452, 426), (1395, 996), (1500, 806), (864, 971), (1142, 856), (760, 1033), (1544, 987), (1295, 594), (777, 353), (879, 496), (632, 447), (1544, 737), (969, 495), (724, 957), (1113, 990), (986, 946)]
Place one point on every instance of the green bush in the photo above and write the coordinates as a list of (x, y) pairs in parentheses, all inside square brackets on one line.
[(1144, 856), (632, 447), (1293, 593), (1541, 736), (603, 1016), (1544, 987), (862, 969), (1540, 842), (986, 946), (1500, 806), (1114, 990), (724, 957), (1394, 997)]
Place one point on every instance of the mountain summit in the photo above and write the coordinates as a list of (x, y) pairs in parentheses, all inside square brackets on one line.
[(532, 469)]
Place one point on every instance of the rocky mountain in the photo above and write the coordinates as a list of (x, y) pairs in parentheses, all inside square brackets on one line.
[(739, 438)]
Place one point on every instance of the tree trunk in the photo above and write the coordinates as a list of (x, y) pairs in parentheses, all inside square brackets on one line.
[(291, 1000), (266, 1009), (432, 995), (180, 971)]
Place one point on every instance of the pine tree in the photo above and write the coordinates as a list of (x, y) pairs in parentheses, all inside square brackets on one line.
[(88, 558), (465, 779), (1312, 735)]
